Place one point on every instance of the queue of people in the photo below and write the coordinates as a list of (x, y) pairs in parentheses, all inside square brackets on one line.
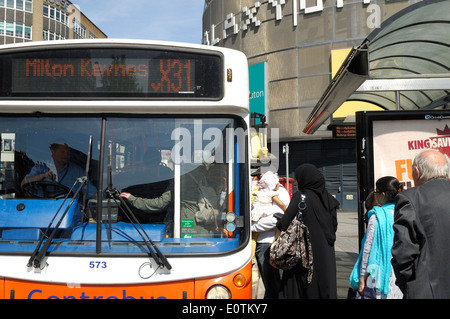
[(403, 252)]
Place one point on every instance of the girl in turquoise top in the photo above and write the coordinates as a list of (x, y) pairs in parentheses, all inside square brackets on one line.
[(373, 267)]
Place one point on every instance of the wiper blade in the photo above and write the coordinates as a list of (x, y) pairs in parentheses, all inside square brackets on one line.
[(114, 194), (37, 255), (156, 254)]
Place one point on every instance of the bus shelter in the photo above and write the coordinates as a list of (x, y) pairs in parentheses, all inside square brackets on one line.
[(403, 65)]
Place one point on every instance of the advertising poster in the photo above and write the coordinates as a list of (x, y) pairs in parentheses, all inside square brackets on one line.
[(396, 143)]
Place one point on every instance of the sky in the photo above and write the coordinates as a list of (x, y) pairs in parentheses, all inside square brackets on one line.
[(166, 20)]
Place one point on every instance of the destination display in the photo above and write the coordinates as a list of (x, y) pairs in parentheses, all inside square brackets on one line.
[(111, 73)]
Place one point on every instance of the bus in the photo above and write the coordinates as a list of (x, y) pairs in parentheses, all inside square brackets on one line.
[(124, 171)]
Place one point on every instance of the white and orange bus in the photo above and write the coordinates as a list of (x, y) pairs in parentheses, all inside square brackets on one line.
[(124, 171)]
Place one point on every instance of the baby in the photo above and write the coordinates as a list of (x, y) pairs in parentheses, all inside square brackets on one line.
[(268, 193)]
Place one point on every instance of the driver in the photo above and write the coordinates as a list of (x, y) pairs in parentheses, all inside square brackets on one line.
[(66, 171)]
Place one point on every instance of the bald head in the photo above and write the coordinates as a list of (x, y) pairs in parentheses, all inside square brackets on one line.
[(430, 164)]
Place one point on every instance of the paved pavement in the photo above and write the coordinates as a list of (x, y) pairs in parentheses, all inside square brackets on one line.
[(347, 249)]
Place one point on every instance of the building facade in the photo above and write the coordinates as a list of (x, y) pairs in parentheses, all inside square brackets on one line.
[(38, 20), (301, 44)]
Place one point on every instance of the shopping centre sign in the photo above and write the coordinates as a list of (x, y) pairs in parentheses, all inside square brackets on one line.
[(247, 17)]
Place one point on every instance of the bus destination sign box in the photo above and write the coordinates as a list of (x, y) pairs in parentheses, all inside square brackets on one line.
[(110, 73)]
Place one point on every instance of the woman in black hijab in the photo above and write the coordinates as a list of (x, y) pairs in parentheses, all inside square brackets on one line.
[(321, 220)]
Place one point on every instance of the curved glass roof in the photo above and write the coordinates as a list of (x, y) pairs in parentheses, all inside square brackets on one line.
[(408, 64)]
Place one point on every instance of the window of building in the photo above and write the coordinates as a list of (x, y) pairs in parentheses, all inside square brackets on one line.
[(55, 14), (19, 30), (10, 28), (28, 32), (14, 29), (24, 5), (78, 29), (50, 36)]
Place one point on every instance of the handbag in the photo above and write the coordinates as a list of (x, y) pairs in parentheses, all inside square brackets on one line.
[(293, 245), (368, 293)]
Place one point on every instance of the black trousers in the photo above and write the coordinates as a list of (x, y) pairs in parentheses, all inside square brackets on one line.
[(270, 276)]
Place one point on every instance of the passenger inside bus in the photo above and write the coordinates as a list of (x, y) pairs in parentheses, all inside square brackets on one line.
[(66, 173), (151, 201), (203, 196)]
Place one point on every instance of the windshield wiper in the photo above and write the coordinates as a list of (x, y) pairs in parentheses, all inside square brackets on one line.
[(156, 254), (37, 255), (114, 194)]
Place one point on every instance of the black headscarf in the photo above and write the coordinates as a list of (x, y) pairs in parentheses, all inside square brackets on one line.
[(319, 201)]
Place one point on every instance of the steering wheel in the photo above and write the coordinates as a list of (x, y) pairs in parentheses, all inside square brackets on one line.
[(45, 189)]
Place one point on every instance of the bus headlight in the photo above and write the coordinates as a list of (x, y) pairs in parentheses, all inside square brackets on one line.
[(218, 292)]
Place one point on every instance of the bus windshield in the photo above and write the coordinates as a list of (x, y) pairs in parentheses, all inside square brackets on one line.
[(173, 179)]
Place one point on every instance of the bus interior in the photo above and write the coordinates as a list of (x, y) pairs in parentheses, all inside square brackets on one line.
[(118, 154)]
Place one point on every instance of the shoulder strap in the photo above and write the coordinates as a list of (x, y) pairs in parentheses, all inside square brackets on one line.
[(301, 206)]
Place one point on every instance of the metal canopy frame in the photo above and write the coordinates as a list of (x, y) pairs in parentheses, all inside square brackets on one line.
[(401, 85), (403, 65)]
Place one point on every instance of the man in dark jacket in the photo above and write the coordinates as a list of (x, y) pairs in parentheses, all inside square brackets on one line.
[(421, 256)]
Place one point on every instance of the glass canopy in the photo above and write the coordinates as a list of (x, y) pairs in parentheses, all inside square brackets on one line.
[(404, 65)]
